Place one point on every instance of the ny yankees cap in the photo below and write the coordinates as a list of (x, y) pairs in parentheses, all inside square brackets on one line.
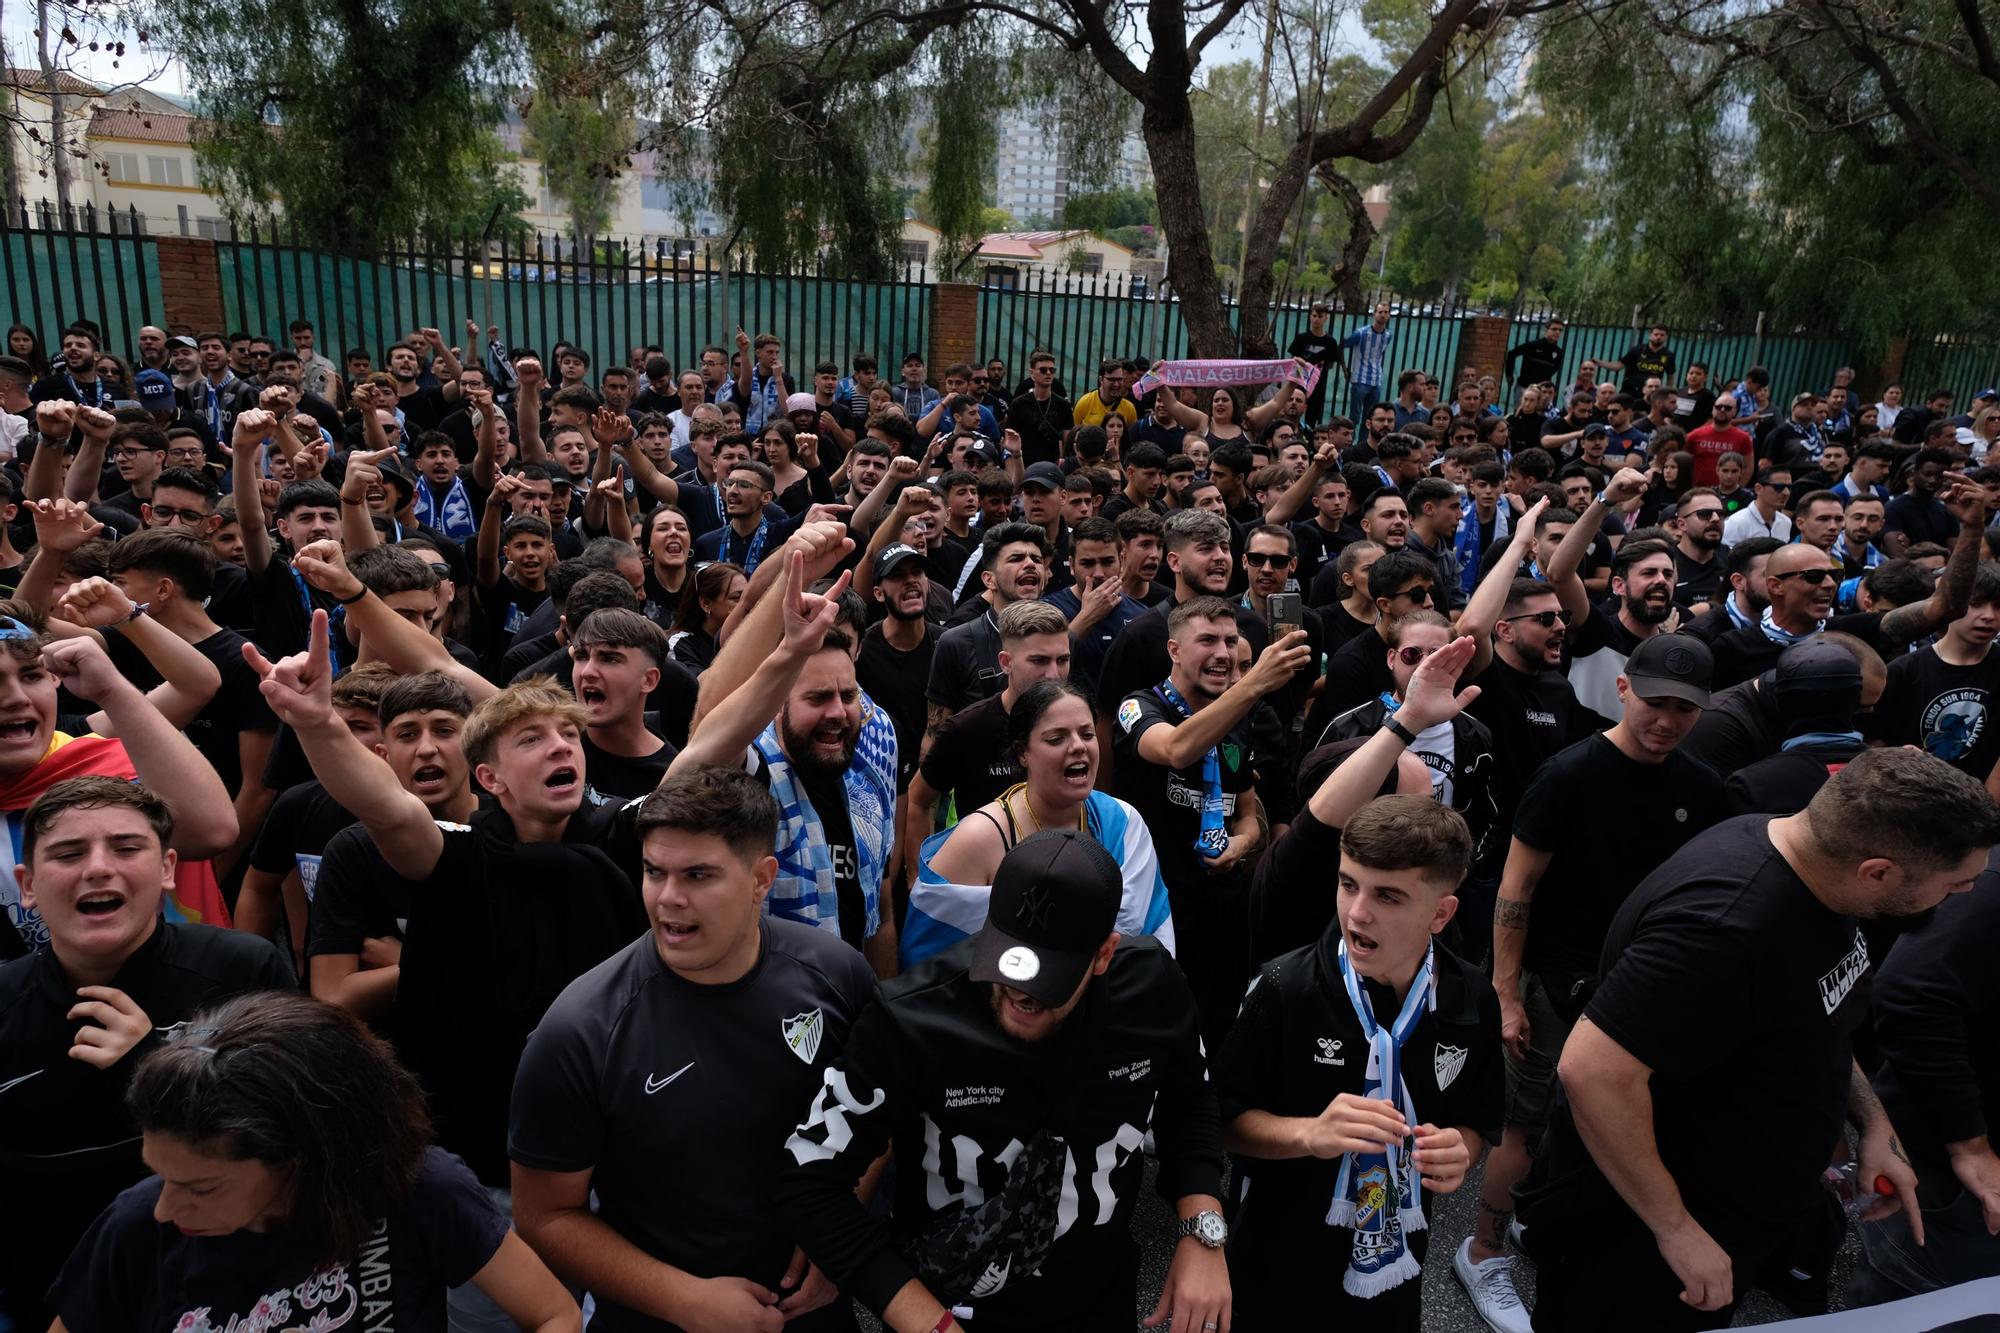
[(1672, 666), (1055, 899)]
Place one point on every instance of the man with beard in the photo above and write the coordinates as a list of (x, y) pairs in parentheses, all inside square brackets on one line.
[(1198, 555), (74, 374), (798, 723), (1801, 583), (1024, 1223), (422, 408), (1187, 762), (1013, 564), (1698, 562), (1642, 585), (1746, 598), (1574, 875), (1854, 550), (1385, 520), (1738, 971), (896, 653)]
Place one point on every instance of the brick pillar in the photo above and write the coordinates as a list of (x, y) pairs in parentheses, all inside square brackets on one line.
[(954, 325), (190, 284), (1482, 343)]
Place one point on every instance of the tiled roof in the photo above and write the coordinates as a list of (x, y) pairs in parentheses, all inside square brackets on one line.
[(31, 80), (151, 126)]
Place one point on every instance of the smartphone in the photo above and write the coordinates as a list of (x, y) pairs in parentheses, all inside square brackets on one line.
[(1286, 612)]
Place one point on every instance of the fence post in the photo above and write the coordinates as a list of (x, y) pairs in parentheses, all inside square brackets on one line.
[(1482, 343), (1757, 342), (190, 283), (1871, 377), (954, 324)]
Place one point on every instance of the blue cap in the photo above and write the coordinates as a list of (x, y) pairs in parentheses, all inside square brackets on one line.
[(1986, 393), (155, 391)]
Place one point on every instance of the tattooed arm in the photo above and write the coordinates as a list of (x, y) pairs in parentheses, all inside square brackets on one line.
[(1881, 1157), (1525, 867)]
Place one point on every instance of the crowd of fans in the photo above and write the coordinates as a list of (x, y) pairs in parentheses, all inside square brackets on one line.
[(498, 842)]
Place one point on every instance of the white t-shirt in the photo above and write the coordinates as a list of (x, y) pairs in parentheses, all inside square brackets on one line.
[(1746, 523), (1438, 748)]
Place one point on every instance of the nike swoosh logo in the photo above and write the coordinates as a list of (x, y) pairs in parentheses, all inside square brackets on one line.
[(653, 1085), (14, 1081)]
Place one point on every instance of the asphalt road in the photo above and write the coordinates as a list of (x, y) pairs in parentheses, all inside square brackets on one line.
[(1446, 1309)]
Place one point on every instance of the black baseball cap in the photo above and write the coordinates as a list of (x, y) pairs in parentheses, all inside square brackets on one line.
[(1816, 664), (1043, 474), (1672, 666), (891, 556), (1055, 899)]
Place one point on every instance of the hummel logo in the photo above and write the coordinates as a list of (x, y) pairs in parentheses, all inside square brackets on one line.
[(14, 1081), (653, 1085)]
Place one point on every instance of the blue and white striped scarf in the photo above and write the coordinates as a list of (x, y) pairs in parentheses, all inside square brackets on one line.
[(1379, 1196), (805, 889), (1869, 560)]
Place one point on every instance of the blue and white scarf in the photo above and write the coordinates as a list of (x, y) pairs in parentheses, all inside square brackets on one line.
[(806, 890), (1466, 544), (1380, 1196), (1213, 839), (1871, 556), (1738, 619), (100, 395), (452, 515), (1781, 636)]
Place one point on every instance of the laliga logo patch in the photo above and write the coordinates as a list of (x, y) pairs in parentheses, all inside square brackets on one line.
[(1020, 964), (1128, 714)]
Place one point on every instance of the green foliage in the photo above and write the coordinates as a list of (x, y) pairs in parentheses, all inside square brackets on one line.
[(359, 123), (1110, 210), (582, 144)]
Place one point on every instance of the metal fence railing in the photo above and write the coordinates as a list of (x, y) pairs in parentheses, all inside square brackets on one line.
[(81, 263), (605, 295), (611, 294)]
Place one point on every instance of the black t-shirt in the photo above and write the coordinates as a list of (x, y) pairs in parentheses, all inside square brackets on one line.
[(357, 896), (616, 778), (66, 1143), (1170, 799), (505, 606), (1744, 654), (134, 1272), (966, 666), (1736, 729), (1531, 718), (1695, 581), (495, 933), (1725, 976), (237, 706), (302, 820), (1138, 657), (678, 1098), (1315, 350), (1040, 423), (423, 410), (969, 756), (828, 794), (1946, 710), (1317, 547), (1785, 783), (1597, 859), (1354, 675), (1921, 518), (281, 607), (1642, 362), (897, 680), (1297, 1045), (1291, 894), (1693, 409)]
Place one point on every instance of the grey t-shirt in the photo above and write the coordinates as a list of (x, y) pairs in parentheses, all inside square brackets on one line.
[(678, 1098)]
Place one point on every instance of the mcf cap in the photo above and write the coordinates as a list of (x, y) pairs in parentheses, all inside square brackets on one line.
[(1055, 899), (1047, 475), (154, 390), (891, 556), (1672, 666)]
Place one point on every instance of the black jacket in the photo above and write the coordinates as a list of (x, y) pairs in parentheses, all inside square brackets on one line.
[(1472, 767)]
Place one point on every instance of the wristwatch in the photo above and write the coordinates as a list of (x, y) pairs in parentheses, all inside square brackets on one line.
[(1205, 1226), (1398, 730)]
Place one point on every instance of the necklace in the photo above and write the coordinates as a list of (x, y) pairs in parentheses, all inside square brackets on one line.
[(1029, 802)]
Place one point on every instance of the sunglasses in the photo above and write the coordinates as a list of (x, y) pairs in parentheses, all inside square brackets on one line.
[(1546, 619), (1417, 596), (1702, 513), (1413, 656), (1264, 559), (1814, 577)]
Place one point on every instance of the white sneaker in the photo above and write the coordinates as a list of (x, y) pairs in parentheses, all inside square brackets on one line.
[(1491, 1287)]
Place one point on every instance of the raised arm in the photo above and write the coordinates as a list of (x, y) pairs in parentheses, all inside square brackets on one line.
[(1568, 559), (61, 526), (407, 647), (757, 622), (486, 551), (1300, 493), (1432, 697), (1949, 597), (720, 737), (743, 368), (163, 759), (914, 500), (188, 680), (902, 471), (1489, 596), (444, 362), (602, 432), (88, 465), (251, 427), (528, 378), (300, 691), (1186, 742), (486, 437), (55, 421), (357, 525)]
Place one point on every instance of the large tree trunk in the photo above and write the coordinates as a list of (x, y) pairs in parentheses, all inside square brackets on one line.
[(58, 118), (1169, 135), (1260, 250)]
